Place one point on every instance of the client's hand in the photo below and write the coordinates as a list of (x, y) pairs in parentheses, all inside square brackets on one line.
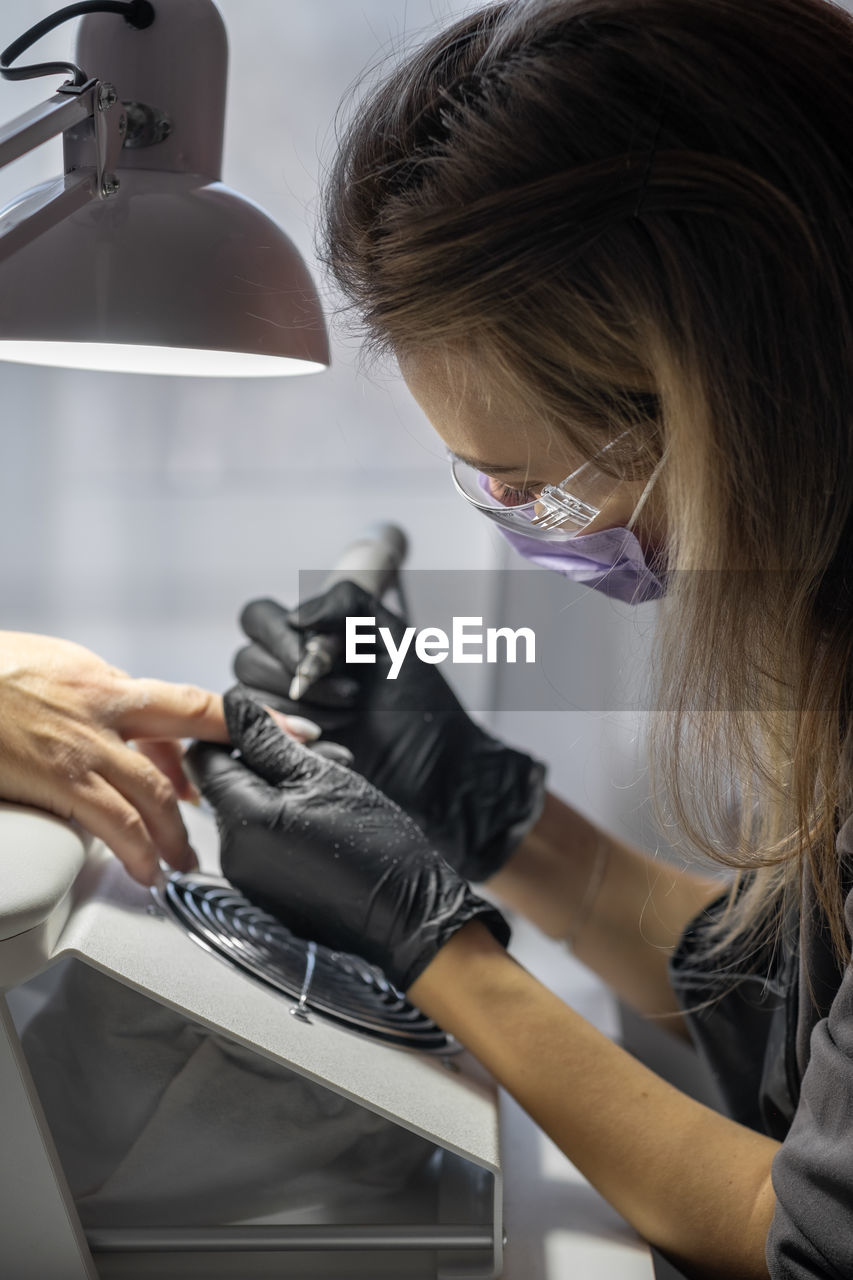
[(475, 797), (65, 720), (333, 858)]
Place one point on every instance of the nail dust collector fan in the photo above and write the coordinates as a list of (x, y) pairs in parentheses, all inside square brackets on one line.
[(62, 898), (343, 988)]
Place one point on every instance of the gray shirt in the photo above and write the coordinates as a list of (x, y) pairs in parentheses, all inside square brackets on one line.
[(777, 1034)]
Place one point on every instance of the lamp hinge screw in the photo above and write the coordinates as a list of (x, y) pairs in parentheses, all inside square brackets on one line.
[(110, 184), (107, 96)]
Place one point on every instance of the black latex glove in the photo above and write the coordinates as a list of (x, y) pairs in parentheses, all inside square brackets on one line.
[(334, 859), (474, 797)]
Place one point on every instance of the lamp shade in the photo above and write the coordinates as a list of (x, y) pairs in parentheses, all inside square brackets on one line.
[(174, 275), (175, 272)]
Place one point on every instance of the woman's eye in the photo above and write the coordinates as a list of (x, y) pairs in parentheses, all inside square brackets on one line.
[(507, 496)]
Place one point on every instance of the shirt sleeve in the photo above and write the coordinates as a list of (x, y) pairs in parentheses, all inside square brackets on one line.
[(812, 1230)]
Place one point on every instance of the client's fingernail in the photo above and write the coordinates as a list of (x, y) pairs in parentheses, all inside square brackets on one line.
[(296, 726), (193, 796)]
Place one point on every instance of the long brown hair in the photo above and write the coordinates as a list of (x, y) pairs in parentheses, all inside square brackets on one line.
[(637, 214)]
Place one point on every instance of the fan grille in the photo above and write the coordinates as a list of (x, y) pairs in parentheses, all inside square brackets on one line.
[(341, 987)]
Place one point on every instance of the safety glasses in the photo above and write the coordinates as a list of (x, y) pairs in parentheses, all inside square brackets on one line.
[(554, 513)]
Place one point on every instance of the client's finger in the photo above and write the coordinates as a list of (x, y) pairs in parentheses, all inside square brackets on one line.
[(98, 807), (153, 797), (157, 709), (168, 756)]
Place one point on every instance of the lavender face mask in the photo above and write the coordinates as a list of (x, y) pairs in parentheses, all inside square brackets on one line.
[(610, 561)]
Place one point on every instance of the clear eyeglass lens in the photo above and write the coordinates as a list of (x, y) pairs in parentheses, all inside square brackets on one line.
[(508, 496), (552, 514)]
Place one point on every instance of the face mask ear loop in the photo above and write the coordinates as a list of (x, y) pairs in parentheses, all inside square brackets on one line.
[(650, 484)]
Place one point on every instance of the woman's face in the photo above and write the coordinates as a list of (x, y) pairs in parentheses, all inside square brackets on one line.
[(509, 444)]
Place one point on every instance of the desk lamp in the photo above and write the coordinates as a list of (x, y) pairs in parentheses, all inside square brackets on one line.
[(138, 259)]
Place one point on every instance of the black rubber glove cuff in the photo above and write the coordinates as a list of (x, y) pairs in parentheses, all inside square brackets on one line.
[(520, 781)]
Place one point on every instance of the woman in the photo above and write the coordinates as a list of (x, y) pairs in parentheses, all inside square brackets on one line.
[(614, 233)]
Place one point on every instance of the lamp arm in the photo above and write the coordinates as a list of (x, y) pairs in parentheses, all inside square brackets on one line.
[(91, 150), (47, 120), (43, 208), (93, 126)]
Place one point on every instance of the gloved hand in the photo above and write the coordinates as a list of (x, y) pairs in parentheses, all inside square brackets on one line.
[(316, 845), (473, 796)]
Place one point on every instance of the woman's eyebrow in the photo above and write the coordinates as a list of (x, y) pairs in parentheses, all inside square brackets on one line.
[(494, 468)]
